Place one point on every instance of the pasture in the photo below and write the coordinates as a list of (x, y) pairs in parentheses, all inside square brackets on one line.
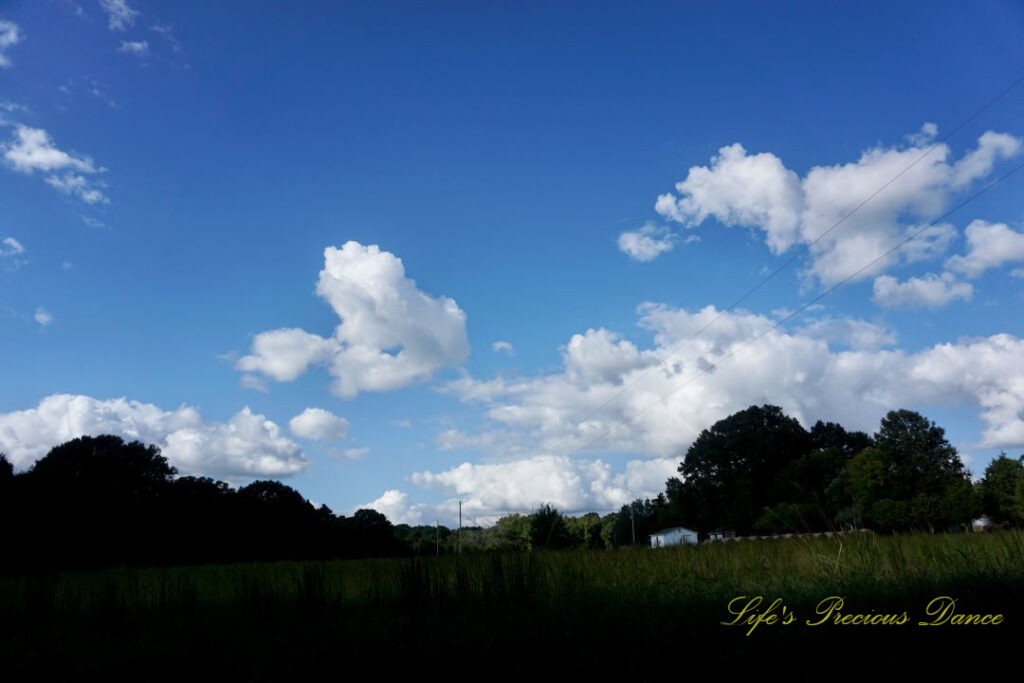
[(630, 613)]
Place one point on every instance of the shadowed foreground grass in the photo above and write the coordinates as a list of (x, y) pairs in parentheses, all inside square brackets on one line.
[(633, 613)]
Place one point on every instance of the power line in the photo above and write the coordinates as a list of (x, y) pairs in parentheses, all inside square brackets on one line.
[(797, 255)]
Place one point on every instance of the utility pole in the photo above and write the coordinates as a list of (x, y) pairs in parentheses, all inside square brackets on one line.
[(460, 526), (632, 522)]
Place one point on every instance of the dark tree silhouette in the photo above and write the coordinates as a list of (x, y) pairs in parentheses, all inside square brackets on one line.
[(730, 471), (548, 529), (99, 501)]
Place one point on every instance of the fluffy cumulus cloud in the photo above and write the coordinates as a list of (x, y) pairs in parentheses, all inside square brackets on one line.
[(10, 35), (929, 291), (489, 490), (119, 15), (391, 334), (647, 243), (246, 446), (30, 150), (656, 401), (396, 506), (758, 191), (570, 484), (319, 424), (989, 245), (849, 332), (541, 434)]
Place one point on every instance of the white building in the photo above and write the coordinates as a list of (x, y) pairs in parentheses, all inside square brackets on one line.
[(677, 535)]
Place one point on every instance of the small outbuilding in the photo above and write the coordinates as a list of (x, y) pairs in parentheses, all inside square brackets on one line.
[(677, 535), (983, 523)]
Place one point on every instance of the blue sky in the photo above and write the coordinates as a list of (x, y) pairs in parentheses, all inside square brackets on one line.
[(284, 242)]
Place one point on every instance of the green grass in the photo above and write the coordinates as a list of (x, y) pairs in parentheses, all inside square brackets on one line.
[(631, 612)]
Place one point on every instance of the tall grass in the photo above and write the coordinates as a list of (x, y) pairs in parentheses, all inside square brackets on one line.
[(602, 611)]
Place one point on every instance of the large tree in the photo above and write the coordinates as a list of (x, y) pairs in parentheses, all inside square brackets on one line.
[(730, 471), (999, 488), (548, 529), (96, 499), (913, 478)]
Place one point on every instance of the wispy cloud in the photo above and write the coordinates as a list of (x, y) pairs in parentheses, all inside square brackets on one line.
[(12, 253), (503, 347), (167, 32), (42, 316), (136, 48), (119, 15), (10, 35)]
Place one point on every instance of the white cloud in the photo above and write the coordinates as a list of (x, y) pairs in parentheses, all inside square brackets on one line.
[(168, 33), (759, 192), (391, 334), (580, 409), (989, 245), (93, 222), (850, 332), (254, 383), (319, 424), (42, 317), (12, 252), (66, 265), (79, 186), (354, 453), (10, 35), (119, 15), (31, 150), (246, 446), (978, 163), (598, 355), (740, 190), (395, 505), (929, 291), (647, 243), (136, 48), (503, 347), (8, 106), (925, 136), (284, 354), (573, 485)]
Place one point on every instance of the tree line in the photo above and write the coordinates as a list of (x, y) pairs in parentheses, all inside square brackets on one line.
[(760, 472), (99, 501)]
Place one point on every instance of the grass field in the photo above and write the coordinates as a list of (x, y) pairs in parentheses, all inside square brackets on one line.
[(632, 614)]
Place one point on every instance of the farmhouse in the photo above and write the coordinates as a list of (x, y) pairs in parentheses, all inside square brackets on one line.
[(677, 535)]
